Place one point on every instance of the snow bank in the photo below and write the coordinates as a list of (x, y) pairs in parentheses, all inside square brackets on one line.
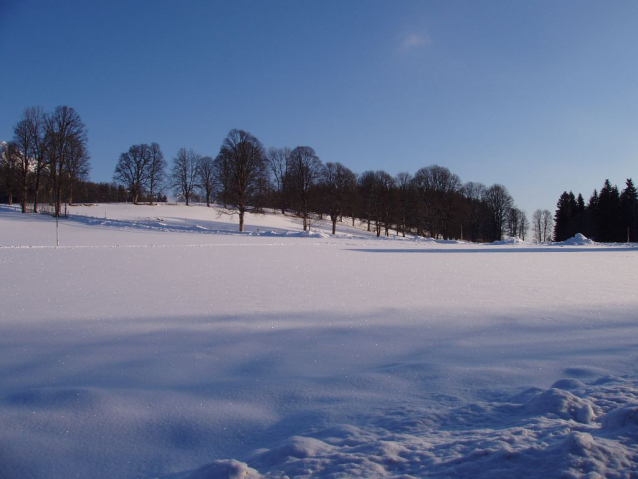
[(577, 240), (509, 241)]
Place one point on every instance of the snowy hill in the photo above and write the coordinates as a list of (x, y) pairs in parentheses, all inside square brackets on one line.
[(157, 342)]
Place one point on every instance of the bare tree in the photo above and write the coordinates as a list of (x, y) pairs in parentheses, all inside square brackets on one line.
[(512, 222), (305, 168), (206, 177), (132, 170), (537, 225), (156, 171), (547, 225), (498, 202), (436, 187), (405, 196), (9, 167), (382, 200), (65, 133), (336, 181), (279, 163), (184, 173), (29, 137), (474, 194), (241, 169), (523, 225), (77, 166), (365, 186)]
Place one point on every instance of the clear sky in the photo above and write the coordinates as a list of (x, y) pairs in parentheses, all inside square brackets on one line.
[(540, 96)]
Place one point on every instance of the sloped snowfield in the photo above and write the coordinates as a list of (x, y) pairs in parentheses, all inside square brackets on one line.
[(158, 343)]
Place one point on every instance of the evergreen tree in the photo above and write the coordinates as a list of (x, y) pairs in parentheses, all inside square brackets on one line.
[(629, 210), (564, 219), (609, 218), (591, 217)]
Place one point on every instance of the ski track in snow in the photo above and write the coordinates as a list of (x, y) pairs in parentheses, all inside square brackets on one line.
[(154, 349)]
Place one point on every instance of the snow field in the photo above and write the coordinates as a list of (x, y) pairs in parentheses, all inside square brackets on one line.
[(161, 351)]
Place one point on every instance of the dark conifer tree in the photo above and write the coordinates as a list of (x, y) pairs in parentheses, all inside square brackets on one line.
[(591, 217), (609, 219), (564, 219), (629, 210)]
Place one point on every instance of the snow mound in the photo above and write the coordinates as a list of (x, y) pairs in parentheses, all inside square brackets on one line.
[(509, 241), (227, 469), (562, 404), (577, 240), (554, 433), (294, 448), (621, 418), (308, 234), (569, 383)]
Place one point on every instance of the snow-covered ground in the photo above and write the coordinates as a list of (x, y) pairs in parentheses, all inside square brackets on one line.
[(156, 342)]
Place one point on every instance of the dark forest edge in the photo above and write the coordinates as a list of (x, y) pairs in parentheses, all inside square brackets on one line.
[(609, 216), (47, 162)]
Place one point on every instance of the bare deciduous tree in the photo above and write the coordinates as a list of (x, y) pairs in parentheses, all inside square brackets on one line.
[(206, 177), (240, 170), (498, 202), (29, 136), (436, 186), (279, 163), (474, 194), (132, 170), (336, 181), (405, 195), (184, 173), (156, 171), (9, 168), (547, 222), (305, 168), (77, 167), (65, 133)]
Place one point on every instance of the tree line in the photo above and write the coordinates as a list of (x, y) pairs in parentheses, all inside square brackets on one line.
[(610, 216), (245, 177), (49, 157)]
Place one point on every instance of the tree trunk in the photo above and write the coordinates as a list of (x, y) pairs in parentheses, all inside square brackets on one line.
[(135, 195), (305, 222), (35, 193), (241, 221), (368, 224), (24, 197), (334, 226)]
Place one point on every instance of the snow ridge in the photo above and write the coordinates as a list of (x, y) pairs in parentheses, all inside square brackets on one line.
[(569, 430)]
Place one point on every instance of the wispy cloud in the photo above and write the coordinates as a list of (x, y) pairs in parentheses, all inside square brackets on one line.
[(415, 40)]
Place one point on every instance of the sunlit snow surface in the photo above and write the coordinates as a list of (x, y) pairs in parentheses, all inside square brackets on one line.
[(157, 342)]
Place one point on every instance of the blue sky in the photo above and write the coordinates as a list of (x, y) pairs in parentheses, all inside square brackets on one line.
[(539, 96)]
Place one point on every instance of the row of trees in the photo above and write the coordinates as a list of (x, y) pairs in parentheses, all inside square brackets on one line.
[(608, 216), (244, 176), (48, 153), (48, 158)]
